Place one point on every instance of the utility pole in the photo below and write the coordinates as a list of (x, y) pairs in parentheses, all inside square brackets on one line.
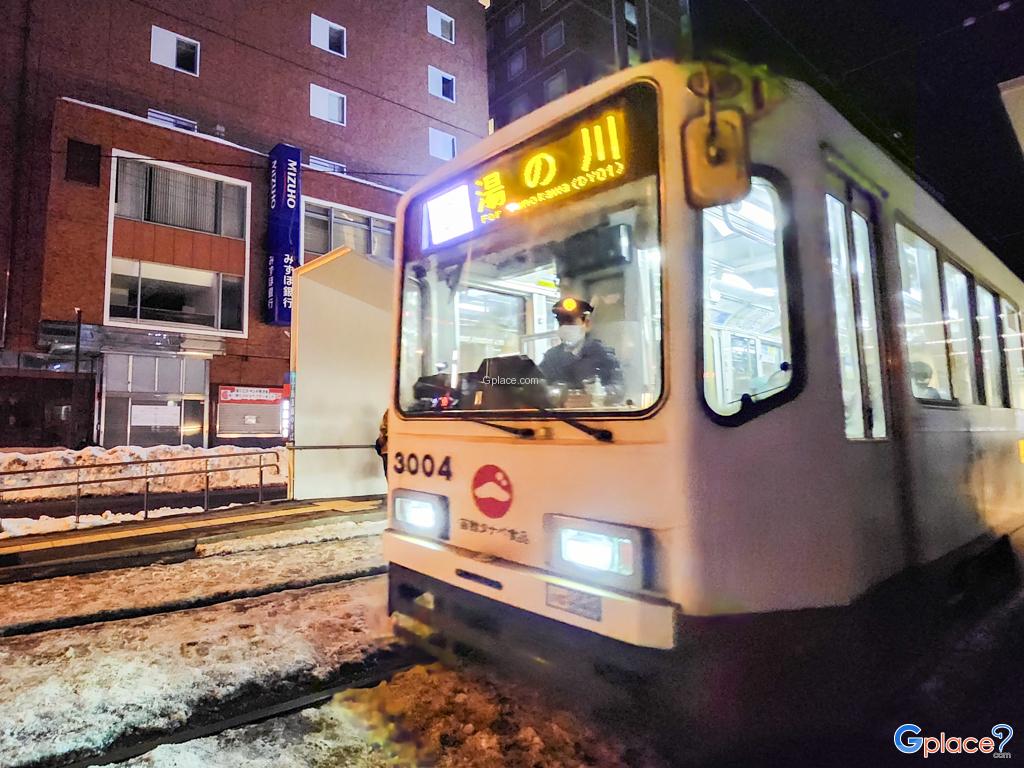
[(72, 429)]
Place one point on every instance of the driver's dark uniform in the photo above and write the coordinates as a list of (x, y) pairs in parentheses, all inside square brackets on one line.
[(591, 360)]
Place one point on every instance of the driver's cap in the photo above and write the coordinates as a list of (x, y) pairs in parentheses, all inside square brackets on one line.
[(572, 307)]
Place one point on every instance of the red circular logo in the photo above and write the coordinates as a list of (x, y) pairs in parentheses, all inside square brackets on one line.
[(492, 491)]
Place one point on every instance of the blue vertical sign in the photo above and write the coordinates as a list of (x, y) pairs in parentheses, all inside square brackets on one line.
[(283, 230)]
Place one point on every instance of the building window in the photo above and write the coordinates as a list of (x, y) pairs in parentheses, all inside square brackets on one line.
[(441, 84), (922, 317), (327, 105), (328, 36), (516, 64), (519, 107), (143, 291), (442, 145), (328, 228), (632, 30), (82, 163), (161, 195), (515, 19), (174, 51), (553, 38), (150, 400), (172, 121), (440, 25), (330, 166), (556, 86)]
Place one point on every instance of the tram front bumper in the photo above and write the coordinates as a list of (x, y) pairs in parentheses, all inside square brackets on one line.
[(637, 620)]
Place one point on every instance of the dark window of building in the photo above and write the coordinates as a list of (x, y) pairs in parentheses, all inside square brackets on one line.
[(519, 107), (82, 163), (440, 83), (515, 19), (231, 303), (553, 38), (336, 41), (516, 64), (556, 86), (166, 196), (440, 24), (330, 228), (632, 31), (186, 56)]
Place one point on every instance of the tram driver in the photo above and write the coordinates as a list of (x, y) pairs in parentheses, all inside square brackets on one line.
[(580, 360)]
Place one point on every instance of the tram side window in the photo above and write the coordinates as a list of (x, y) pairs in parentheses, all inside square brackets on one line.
[(922, 315), (1012, 349), (746, 329), (846, 330), (961, 343), (988, 342)]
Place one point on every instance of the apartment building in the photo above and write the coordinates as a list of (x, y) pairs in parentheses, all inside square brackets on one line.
[(538, 50), (144, 242)]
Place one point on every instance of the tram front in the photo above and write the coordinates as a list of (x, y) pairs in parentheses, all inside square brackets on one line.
[(535, 465)]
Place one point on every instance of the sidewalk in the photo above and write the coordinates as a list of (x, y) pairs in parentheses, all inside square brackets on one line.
[(166, 539)]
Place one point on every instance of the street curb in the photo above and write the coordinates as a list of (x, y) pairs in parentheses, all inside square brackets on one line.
[(67, 622)]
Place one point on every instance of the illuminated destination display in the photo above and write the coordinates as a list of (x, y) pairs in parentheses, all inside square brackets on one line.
[(588, 153)]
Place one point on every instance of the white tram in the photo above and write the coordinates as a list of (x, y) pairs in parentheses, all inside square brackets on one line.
[(820, 400)]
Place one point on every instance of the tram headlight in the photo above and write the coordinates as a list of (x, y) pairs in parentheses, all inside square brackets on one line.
[(599, 552), (421, 514)]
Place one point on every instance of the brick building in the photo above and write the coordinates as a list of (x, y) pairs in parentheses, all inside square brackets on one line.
[(138, 134), (538, 50)]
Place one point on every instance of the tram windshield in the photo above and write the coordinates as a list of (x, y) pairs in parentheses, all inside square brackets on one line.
[(534, 282)]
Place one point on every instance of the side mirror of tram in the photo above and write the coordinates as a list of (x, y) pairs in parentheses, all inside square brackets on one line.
[(716, 158)]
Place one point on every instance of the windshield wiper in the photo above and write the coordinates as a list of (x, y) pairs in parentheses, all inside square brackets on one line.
[(517, 431), (598, 433)]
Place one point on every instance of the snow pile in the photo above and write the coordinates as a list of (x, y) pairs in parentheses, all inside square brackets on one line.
[(76, 692), (425, 716), (88, 464), (346, 529), (134, 591), (26, 526)]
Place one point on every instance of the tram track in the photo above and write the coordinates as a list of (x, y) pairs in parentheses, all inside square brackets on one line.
[(201, 582), (395, 659)]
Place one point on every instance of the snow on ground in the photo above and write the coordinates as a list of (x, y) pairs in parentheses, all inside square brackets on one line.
[(88, 464), (79, 691), (27, 526), (148, 589), (425, 716), (345, 529)]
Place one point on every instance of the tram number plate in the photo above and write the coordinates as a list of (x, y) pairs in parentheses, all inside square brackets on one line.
[(574, 601)]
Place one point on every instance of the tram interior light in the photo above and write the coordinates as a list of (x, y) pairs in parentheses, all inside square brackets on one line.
[(421, 514)]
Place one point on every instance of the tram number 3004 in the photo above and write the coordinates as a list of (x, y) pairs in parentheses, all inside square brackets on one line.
[(415, 464)]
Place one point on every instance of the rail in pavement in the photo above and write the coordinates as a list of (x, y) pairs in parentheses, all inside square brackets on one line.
[(161, 538)]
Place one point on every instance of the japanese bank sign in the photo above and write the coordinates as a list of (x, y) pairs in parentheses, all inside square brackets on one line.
[(284, 227)]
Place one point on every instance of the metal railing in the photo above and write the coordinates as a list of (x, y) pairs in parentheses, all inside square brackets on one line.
[(146, 477)]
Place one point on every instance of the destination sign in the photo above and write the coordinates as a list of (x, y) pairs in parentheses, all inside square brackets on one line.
[(586, 154)]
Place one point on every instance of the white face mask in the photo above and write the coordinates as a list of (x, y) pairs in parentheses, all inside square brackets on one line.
[(571, 334)]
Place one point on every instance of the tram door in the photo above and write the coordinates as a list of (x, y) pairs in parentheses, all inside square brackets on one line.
[(874, 456)]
